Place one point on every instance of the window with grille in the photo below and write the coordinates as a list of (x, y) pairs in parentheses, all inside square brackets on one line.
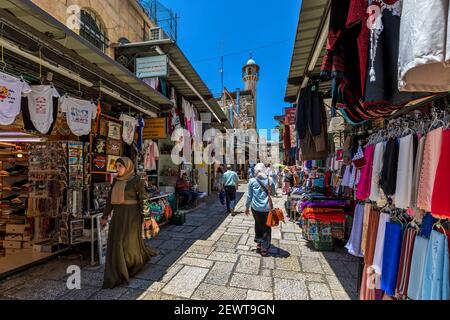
[(92, 30)]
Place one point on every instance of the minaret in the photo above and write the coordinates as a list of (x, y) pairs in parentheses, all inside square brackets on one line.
[(250, 75)]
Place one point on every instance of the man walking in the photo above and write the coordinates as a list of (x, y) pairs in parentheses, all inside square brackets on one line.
[(230, 183)]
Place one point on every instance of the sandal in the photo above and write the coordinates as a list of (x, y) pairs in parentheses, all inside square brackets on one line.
[(264, 253)]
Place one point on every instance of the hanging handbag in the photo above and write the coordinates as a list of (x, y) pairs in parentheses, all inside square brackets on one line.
[(151, 228)]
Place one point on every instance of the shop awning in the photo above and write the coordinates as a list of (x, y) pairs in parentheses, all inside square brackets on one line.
[(37, 22), (179, 60), (309, 46)]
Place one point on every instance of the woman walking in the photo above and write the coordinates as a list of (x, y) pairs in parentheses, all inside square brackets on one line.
[(258, 201), (287, 177), (127, 253)]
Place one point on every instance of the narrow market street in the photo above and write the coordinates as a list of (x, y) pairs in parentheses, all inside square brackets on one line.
[(211, 257)]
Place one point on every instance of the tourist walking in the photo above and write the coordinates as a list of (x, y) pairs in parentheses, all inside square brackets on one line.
[(230, 184), (258, 202)]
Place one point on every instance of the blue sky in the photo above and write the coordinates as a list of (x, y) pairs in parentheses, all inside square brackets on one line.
[(208, 28)]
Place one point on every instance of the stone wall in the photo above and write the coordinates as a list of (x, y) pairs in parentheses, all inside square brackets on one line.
[(121, 18)]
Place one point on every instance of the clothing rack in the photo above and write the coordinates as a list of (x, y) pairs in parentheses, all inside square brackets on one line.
[(417, 105)]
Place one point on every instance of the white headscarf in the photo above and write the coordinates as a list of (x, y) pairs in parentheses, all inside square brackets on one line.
[(260, 170)]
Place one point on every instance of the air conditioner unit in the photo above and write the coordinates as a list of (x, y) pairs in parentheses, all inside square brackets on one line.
[(156, 34)]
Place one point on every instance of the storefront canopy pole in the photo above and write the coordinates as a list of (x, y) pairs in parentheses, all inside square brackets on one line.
[(317, 49), (174, 67), (63, 71)]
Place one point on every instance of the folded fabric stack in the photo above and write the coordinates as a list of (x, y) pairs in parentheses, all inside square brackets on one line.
[(322, 219)]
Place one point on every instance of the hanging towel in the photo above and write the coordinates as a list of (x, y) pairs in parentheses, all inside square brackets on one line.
[(354, 244), (379, 248), (417, 268), (404, 172), (347, 176), (435, 283), (430, 163), (405, 263), (391, 257)]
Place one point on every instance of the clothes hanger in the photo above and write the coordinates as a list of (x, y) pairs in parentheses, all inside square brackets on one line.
[(439, 225)]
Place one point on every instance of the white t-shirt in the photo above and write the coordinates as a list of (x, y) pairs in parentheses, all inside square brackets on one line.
[(11, 90), (40, 104), (129, 127), (80, 114)]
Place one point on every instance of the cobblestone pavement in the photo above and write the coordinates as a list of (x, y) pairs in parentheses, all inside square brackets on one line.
[(212, 256)]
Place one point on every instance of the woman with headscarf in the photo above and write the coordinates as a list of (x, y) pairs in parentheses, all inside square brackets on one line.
[(258, 201), (127, 253)]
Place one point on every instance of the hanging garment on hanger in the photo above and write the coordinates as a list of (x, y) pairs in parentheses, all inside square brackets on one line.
[(390, 165), (379, 248), (405, 172), (427, 225), (370, 292), (435, 282), (11, 90), (79, 113), (129, 128), (141, 125), (376, 172), (417, 170), (40, 107), (404, 269), (367, 210), (308, 113), (382, 76), (417, 268), (440, 202), (432, 152), (354, 244), (363, 190), (151, 155), (391, 257), (424, 51)]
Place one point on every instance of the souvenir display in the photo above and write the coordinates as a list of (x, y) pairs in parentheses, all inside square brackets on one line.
[(114, 131), (114, 147)]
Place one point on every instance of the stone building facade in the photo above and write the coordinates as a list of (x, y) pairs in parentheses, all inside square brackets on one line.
[(119, 19)]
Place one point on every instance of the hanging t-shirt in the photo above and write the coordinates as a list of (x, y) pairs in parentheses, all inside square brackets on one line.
[(151, 155), (11, 89), (80, 114), (40, 106), (129, 127)]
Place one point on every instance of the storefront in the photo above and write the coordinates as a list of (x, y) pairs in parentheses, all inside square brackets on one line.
[(375, 155), (68, 111)]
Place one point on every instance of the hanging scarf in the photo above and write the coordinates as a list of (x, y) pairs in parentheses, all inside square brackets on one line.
[(118, 191)]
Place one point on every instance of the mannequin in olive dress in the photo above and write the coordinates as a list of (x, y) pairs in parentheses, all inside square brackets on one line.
[(127, 253)]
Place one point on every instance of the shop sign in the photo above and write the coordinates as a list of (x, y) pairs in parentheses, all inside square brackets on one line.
[(290, 115), (155, 128), (148, 67)]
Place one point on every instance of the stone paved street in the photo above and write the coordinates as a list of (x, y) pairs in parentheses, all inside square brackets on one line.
[(212, 256)]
